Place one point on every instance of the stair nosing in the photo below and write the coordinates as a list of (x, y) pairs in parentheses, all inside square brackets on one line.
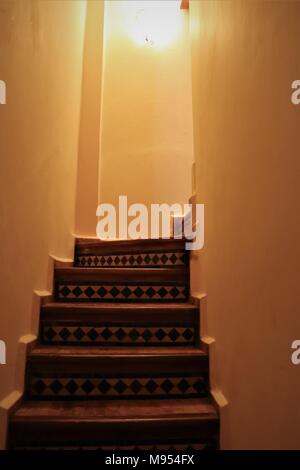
[(115, 352), (123, 419), (127, 270), (121, 306)]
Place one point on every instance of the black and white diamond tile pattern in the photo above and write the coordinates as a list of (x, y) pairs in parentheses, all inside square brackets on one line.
[(120, 334), (139, 292), (76, 387), (131, 260)]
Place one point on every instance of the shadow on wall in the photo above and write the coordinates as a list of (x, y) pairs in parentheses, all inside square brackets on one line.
[(89, 127), (38, 148)]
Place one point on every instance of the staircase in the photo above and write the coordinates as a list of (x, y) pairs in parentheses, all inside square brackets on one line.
[(118, 363)]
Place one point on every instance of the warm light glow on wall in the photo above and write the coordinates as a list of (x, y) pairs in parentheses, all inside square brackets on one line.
[(153, 23)]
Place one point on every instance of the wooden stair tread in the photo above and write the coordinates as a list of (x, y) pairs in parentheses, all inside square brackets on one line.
[(120, 306), (123, 274), (183, 313), (141, 243), (135, 316), (120, 361), (152, 351), (144, 241), (116, 410), (114, 422)]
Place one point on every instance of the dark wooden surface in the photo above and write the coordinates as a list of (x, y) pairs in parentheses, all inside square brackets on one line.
[(159, 313), (121, 274), (144, 361), (117, 421), (87, 246), (112, 420)]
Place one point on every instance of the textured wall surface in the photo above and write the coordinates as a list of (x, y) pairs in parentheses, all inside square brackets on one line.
[(245, 55), (41, 47)]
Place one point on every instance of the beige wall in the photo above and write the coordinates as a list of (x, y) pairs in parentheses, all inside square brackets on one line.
[(247, 146), (146, 127), (41, 44), (89, 130)]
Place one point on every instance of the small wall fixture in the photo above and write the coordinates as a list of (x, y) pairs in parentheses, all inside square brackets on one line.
[(185, 4), (154, 22)]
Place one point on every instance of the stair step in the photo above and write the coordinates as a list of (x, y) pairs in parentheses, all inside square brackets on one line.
[(145, 253), (87, 387), (185, 312), (86, 247), (94, 373), (83, 245), (119, 324), (168, 259), (114, 423), (124, 284)]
